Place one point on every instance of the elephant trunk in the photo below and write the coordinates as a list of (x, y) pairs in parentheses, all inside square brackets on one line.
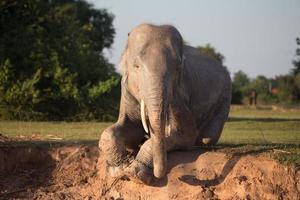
[(157, 104)]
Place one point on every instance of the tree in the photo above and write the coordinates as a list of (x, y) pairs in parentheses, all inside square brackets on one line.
[(51, 55), (296, 62), (288, 91), (240, 79), (239, 84), (297, 80), (261, 84), (211, 52), (289, 85)]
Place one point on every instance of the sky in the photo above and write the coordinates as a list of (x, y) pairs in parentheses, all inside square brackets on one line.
[(257, 36)]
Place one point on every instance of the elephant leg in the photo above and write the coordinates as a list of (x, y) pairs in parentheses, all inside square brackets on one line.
[(115, 141), (183, 135), (211, 133), (142, 167)]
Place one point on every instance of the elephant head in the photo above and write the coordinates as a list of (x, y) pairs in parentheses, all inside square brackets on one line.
[(151, 65)]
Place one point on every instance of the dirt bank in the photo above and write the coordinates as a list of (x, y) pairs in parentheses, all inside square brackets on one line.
[(72, 172)]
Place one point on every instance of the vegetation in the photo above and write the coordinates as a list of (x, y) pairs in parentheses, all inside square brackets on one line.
[(239, 84), (284, 89), (245, 126), (211, 52), (53, 131), (52, 65), (248, 131)]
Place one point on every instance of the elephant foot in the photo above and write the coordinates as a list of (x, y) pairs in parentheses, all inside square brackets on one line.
[(140, 173)]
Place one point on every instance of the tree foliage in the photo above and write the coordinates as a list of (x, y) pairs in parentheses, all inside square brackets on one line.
[(288, 91), (52, 65), (296, 62), (239, 83), (284, 89), (211, 52), (290, 84), (240, 79)]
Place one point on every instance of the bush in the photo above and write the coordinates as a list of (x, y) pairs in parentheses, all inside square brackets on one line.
[(51, 61), (267, 98)]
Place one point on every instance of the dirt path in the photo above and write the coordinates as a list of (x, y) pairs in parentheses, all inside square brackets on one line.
[(72, 172)]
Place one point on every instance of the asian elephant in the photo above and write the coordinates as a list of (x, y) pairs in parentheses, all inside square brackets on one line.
[(172, 97)]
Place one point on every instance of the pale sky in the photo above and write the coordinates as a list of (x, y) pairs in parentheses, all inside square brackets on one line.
[(256, 36)]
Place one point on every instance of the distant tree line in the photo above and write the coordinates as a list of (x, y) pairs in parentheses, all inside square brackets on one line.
[(52, 65), (283, 89)]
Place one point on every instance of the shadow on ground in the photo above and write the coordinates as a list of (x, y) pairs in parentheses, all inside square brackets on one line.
[(229, 165), (28, 166)]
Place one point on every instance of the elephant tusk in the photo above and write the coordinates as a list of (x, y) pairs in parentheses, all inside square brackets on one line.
[(168, 125), (169, 128), (144, 116)]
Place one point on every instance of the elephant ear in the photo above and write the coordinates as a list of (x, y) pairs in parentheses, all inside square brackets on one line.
[(124, 70), (180, 48), (177, 39), (181, 56), (180, 52), (123, 62)]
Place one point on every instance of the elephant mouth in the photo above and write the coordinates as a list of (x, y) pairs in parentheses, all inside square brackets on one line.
[(144, 118)]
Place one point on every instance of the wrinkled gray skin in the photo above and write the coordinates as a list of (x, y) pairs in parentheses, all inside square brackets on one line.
[(183, 96)]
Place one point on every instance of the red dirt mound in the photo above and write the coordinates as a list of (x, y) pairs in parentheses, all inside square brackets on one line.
[(213, 175), (72, 172)]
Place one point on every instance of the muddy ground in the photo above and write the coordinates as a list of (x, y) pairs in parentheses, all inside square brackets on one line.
[(73, 171)]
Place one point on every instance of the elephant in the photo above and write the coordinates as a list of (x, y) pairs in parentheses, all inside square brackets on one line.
[(172, 97)]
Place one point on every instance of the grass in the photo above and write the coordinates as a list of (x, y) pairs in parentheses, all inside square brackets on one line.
[(258, 132), (245, 126), (264, 112), (264, 129), (70, 131), (262, 126), (276, 133)]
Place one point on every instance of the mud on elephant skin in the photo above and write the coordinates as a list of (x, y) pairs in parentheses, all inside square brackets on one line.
[(173, 97)]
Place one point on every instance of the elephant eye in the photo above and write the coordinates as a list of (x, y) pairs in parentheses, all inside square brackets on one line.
[(136, 66)]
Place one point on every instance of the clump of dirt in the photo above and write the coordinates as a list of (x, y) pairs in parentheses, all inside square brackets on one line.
[(3, 138), (31, 138), (64, 172), (215, 175), (74, 172)]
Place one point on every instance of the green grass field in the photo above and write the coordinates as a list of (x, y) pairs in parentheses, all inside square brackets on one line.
[(53, 130), (245, 126), (262, 126), (275, 132)]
